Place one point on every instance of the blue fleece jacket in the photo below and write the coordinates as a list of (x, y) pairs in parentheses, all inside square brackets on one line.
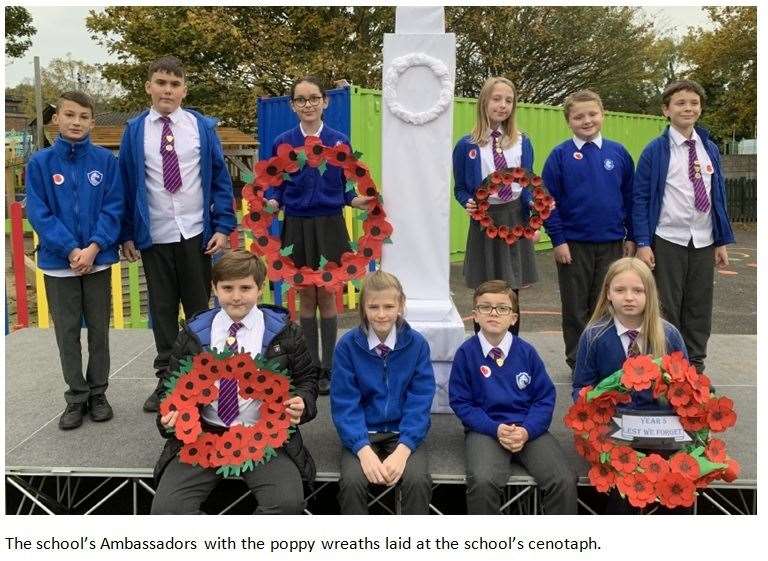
[(74, 198), (308, 192), (651, 180), (592, 188), (520, 391), (601, 353), (275, 320), (468, 175), (218, 198), (374, 394)]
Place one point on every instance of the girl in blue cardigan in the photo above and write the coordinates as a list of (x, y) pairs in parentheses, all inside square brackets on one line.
[(314, 224), (495, 143), (381, 393)]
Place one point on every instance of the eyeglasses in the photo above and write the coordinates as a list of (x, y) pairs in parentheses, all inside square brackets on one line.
[(314, 101), (486, 309)]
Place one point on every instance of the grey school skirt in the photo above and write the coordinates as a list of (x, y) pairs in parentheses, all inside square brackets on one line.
[(490, 259), (313, 237)]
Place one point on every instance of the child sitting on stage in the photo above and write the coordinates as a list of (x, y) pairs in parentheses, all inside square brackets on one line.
[(381, 392), (501, 391), (240, 323)]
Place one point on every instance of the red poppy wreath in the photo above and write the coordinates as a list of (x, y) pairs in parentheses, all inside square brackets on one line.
[(239, 448), (647, 479), (273, 173), (539, 212)]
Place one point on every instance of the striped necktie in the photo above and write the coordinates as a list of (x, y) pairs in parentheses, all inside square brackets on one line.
[(171, 170), (229, 408), (383, 350), (700, 197), (500, 162), (633, 349)]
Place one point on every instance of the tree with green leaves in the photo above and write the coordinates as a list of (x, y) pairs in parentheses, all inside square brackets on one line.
[(724, 62), (18, 30)]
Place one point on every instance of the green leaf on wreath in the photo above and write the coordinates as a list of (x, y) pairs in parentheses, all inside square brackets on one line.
[(223, 471), (286, 176), (605, 457), (269, 453), (235, 471), (247, 466), (323, 261), (363, 215), (353, 246), (350, 185), (388, 240), (269, 210), (322, 167), (301, 158), (286, 251), (357, 154)]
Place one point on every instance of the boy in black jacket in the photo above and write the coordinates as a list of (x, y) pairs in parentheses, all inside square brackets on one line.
[(277, 485)]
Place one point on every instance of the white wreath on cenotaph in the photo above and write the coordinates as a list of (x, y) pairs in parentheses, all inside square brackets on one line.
[(438, 68)]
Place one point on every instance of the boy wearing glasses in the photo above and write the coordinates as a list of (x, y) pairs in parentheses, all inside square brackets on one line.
[(501, 391)]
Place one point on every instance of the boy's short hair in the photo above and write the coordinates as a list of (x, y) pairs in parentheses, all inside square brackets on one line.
[(239, 264), (82, 99), (169, 64), (681, 86), (496, 287), (580, 96)]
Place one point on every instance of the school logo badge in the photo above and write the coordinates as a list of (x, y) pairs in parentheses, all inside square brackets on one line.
[(608, 164), (485, 371), (95, 177), (523, 379), (577, 155), (472, 154), (58, 179)]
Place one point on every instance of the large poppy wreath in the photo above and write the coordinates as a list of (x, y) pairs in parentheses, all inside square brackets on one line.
[(239, 448), (539, 212), (646, 479), (273, 173)]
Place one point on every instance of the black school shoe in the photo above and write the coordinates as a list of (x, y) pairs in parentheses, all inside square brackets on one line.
[(324, 382), (100, 408), (72, 416), (152, 403)]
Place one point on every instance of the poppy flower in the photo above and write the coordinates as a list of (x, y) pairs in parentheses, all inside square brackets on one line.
[(701, 394), (529, 233), (483, 206), (693, 424), (692, 375), (332, 276), (357, 171), (354, 264), (731, 473), (208, 394), (602, 477), (715, 451), (339, 155), (265, 245), (281, 383), (675, 490), (187, 417), (518, 173), (492, 231), (257, 221), (614, 397), (170, 403), (279, 267), (306, 276), (539, 205), (188, 386), (583, 393), (315, 151), (229, 443), (679, 394), (535, 222), (685, 464), (377, 229), (544, 214), (706, 480), (481, 194), (249, 194), (276, 437), (675, 364), (654, 467), (585, 449), (536, 181), (602, 411), (579, 417), (639, 372), (272, 394), (188, 434), (288, 157), (624, 459), (600, 437), (282, 420), (486, 221), (720, 414), (369, 248), (269, 173), (523, 182), (640, 491), (192, 453), (207, 443)]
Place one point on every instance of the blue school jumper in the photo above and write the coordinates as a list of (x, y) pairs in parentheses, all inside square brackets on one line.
[(651, 179), (467, 171), (484, 395), (374, 394), (218, 198), (308, 193), (601, 354), (74, 198), (593, 191)]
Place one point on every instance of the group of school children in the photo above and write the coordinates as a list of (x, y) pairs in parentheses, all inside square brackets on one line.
[(168, 200)]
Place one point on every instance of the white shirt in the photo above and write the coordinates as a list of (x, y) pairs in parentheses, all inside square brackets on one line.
[(249, 338), (580, 142), (316, 134), (180, 214), (679, 221), (513, 155), (504, 345), (62, 273), (374, 341), (625, 341)]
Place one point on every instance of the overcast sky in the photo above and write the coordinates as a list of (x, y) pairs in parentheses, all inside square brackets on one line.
[(62, 30)]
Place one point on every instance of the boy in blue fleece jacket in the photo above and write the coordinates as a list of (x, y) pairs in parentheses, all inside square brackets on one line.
[(75, 203), (381, 393), (501, 391)]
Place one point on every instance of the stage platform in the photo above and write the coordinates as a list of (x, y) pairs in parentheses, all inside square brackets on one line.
[(126, 448)]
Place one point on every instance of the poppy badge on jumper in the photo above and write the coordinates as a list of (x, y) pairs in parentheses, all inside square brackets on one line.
[(58, 179), (577, 155), (472, 154), (485, 371), (710, 170)]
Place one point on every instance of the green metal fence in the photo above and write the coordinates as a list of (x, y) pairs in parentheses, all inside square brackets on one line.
[(544, 124), (741, 193)]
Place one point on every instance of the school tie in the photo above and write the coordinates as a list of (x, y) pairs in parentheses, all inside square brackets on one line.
[(228, 405), (633, 349), (500, 162), (496, 354), (383, 350), (171, 171), (700, 197)]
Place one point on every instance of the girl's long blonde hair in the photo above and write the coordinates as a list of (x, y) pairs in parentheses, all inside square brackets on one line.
[(375, 282), (482, 128), (654, 341)]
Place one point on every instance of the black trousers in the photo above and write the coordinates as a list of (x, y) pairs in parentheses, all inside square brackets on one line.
[(70, 300), (176, 273), (580, 284), (685, 276)]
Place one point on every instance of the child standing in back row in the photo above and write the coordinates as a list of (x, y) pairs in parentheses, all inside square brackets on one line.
[(590, 178), (495, 144)]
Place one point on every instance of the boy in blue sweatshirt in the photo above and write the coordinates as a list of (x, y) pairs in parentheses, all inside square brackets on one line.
[(501, 391), (680, 216), (590, 178), (75, 204), (179, 205)]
